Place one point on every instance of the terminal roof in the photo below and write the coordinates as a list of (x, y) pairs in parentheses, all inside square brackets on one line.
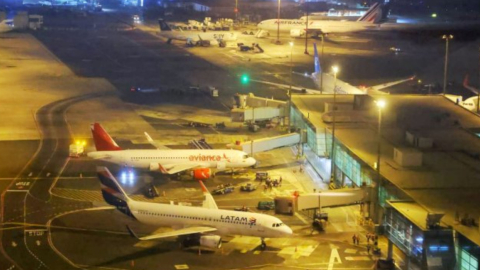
[(448, 179)]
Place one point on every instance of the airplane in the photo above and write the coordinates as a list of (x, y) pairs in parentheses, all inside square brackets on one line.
[(204, 224), (195, 37), (298, 28), (199, 161), (471, 103), (326, 81), (6, 25)]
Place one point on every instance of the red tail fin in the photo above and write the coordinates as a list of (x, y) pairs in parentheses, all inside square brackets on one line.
[(103, 141)]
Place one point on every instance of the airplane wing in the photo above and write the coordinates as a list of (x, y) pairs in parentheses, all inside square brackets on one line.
[(286, 86), (389, 84), (177, 168), (209, 202), (152, 142), (184, 231)]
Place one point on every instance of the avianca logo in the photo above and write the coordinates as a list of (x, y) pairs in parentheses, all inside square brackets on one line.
[(201, 157)]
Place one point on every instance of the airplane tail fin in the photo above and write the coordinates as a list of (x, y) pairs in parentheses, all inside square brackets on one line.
[(318, 68), (112, 192), (469, 87), (373, 15), (103, 141), (163, 25)]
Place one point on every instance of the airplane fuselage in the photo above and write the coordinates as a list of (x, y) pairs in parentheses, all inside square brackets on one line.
[(145, 159), (199, 35), (226, 222), (314, 25)]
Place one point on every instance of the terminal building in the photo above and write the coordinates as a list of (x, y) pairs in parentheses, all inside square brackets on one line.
[(424, 165)]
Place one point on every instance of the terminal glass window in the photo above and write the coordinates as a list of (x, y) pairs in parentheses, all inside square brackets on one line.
[(468, 261), (348, 165)]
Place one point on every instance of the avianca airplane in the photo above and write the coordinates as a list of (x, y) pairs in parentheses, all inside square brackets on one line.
[(329, 83), (168, 161), (215, 37), (298, 28), (204, 224), (6, 25)]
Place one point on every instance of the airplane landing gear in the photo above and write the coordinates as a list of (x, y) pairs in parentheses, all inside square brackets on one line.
[(263, 245)]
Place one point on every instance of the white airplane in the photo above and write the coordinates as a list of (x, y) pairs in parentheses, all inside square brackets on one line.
[(326, 81), (205, 224), (6, 25), (471, 103), (193, 37), (168, 161), (298, 28)]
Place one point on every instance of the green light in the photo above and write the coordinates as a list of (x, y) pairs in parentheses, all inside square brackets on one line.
[(245, 79), (434, 15)]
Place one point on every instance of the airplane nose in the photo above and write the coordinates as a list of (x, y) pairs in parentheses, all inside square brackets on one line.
[(252, 162), (287, 230)]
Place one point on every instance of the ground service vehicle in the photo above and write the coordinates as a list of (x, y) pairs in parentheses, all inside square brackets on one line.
[(266, 205)]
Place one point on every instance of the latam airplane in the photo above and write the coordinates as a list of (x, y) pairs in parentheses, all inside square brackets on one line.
[(192, 37), (6, 25), (204, 224), (326, 81), (298, 28), (200, 162)]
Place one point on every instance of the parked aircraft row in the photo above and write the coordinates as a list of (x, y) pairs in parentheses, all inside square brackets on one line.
[(201, 226), (192, 37)]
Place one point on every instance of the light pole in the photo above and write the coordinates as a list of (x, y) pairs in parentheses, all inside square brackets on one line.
[(290, 89), (321, 74), (478, 91), (236, 11), (291, 64), (332, 160), (380, 105), (278, 22), (306, 29), (447, 38)]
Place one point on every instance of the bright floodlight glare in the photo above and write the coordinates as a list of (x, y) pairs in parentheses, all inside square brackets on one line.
[(447, 36), (335, 69), (291, 43), (381, 103)]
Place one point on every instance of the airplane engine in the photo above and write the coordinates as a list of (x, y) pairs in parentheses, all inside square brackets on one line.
[(202, 173), (154, 167), (210, 241), (221, 166), (297, 33)]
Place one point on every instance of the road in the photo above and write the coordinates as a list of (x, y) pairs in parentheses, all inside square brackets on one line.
[(28, 199)]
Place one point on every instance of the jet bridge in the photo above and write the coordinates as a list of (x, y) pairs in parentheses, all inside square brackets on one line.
[(322, 199)]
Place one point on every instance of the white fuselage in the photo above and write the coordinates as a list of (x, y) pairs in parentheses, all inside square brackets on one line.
[(199, 35), (143, 159), (226, 222), (315, 25)]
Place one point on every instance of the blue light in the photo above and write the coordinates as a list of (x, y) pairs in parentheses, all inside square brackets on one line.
[(131, 177), (419, 239), (124, 177), (438, 248)]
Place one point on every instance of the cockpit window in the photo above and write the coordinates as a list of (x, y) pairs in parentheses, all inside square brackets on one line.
[(245, 156), (277, 224)]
